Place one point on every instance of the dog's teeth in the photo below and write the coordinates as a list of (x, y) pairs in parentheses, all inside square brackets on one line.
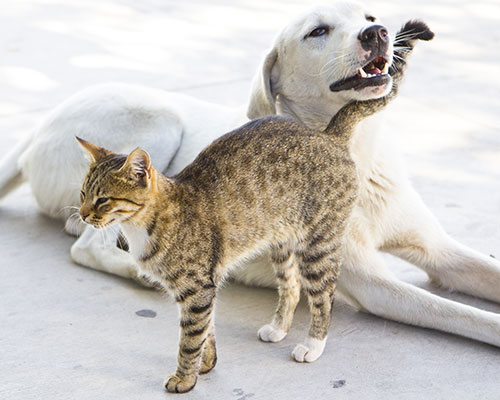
[(386, 69), (362, 73)]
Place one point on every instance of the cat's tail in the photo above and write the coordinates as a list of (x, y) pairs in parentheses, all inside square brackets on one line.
[(11, 175), (342, 124)]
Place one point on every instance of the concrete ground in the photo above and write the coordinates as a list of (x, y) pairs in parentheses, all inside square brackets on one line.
[(67, 332)]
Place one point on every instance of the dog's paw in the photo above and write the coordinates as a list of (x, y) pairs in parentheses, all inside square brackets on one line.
[(176, 384), (269, 333), (310, 351), (144, 280), (414, 30)]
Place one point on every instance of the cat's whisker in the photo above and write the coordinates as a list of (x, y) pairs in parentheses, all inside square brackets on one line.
[(74, 184), (63, 210), (70, 207), (75, 215), (102, 238), (73, 218)]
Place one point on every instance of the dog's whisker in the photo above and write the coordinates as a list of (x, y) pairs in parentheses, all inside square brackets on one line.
[(409, 33), (408, 36), (330, 63), (399, 58), (403, 37), (402, 45)]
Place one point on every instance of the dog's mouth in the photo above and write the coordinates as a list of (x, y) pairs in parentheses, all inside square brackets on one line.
[(374, 73)]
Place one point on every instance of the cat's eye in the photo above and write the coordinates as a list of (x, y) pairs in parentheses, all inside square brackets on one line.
[(101, 200), (82, 196), (319, 31), (370, 18)]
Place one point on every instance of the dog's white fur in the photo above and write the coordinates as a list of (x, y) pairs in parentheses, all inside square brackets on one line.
[(293, 80)]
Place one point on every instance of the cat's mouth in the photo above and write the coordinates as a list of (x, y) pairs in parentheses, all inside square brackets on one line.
[(374, 73), (100, 225)]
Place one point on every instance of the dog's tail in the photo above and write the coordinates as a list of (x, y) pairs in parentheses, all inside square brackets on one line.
[(10, 170)]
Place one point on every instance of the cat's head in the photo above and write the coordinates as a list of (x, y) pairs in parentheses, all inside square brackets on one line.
[(116, 187)]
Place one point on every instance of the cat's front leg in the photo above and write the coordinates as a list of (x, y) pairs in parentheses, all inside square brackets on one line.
[(209, 357), (196, 307)]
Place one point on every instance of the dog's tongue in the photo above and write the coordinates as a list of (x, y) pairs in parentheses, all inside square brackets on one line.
[(372, 69)]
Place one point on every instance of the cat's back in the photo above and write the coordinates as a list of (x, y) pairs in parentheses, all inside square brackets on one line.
[(261, 145)]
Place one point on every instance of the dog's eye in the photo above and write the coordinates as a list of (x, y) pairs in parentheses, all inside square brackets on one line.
[(319, 31), (101, 200), (370, 18)]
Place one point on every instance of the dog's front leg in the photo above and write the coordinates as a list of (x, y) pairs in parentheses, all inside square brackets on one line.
[(97, 249), (367, 279)]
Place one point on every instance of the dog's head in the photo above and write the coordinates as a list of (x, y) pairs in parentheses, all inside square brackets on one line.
[(322, 61)]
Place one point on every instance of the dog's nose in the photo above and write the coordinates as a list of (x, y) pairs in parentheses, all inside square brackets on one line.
[(374, 36)]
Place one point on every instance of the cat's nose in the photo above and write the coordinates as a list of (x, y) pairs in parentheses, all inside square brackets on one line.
[(83, 215)]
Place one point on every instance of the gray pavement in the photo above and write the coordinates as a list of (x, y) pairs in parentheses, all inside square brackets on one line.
[(67, 332)]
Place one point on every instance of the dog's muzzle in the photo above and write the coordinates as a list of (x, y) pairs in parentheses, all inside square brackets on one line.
[(375, 41)]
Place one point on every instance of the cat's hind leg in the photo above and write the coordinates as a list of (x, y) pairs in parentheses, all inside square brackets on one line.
[(319, 266), (285, 266)]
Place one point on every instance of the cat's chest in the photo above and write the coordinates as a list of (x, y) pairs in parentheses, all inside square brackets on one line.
[(137, 238)]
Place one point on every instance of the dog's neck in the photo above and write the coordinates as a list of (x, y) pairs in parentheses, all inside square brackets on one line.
[(369, 146), (317, 116)]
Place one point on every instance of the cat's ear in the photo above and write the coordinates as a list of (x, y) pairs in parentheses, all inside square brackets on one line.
[(138, 164), (95, 152)]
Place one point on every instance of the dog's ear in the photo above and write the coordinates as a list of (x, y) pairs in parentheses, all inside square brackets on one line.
[(262, 100)]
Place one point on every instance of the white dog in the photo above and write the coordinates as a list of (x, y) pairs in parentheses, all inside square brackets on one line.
[(317, 64)]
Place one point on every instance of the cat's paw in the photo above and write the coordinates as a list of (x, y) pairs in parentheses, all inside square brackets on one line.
[(310, 351), (269, 333), (176, 384)]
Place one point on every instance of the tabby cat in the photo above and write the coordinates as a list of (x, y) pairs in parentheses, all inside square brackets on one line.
[(271, 184)]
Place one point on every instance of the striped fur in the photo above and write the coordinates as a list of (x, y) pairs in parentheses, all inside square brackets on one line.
[(271, 184)]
